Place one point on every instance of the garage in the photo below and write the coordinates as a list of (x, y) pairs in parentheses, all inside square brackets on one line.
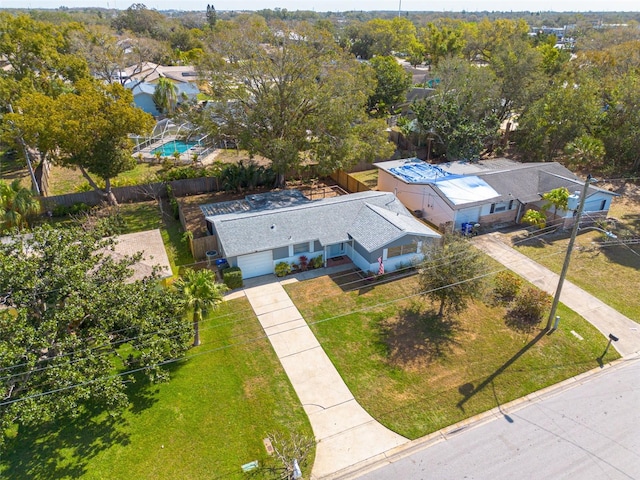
[(256, 264)]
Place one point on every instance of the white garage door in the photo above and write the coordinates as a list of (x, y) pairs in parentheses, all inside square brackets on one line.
[(256, 264)]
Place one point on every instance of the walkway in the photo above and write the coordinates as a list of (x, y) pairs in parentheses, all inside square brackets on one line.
[(345, 433), (596, 312)]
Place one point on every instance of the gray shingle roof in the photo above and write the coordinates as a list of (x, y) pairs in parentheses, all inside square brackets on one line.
[(527, 182), (329, 221), (375, 227)]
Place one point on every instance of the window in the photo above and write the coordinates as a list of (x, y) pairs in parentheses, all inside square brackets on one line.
[(300, 248), (499, 207), (402, 250)]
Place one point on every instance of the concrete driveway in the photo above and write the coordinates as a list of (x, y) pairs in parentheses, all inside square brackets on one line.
[(345, 433)]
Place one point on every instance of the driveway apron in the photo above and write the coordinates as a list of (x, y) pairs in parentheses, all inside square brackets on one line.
[(345, 433), (596, 312)]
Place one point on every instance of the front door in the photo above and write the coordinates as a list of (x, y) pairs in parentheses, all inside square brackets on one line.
[(336, 250)]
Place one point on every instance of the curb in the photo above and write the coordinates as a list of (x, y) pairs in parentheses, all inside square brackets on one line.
[(398, 453)]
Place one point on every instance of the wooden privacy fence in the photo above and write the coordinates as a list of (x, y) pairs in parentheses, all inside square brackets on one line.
[(138, 193), (349, 183), (195, 186)]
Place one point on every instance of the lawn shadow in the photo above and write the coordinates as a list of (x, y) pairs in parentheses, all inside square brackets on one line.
[(62, 449), (625, 255), (365, 282), (143, 394), (468, 391), (417, 336), (519, 323)]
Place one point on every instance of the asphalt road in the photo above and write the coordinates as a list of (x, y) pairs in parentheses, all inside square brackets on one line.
[(590, 431)]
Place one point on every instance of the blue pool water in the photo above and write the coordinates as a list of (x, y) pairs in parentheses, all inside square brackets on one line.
[(168, 148)]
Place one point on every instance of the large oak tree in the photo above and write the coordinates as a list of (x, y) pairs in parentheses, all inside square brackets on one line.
[(72, 324), (291, 94)]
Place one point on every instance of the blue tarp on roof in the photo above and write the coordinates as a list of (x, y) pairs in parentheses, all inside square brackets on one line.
[(419, 172)]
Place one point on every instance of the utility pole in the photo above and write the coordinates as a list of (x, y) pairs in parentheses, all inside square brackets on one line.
[(567, 258)]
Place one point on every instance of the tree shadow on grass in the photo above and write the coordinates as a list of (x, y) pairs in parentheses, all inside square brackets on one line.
[(64, 448), (468, 391), (417, 335), (61, 449), (521, 324)]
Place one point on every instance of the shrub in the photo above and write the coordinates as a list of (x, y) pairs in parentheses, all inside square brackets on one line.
[(317, 262), (181, 173), (232, 277), (506, 286), (534, 217), (63, 210), (303, 262), (528, 308), (173, 201), (282, 269)]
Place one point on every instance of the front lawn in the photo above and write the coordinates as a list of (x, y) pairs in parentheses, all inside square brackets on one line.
[(610, 273), (416, 375), (210, 419)]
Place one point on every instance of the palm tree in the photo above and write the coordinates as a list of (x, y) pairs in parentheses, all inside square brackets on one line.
[(166, 96), (200, 292), (17, 205)]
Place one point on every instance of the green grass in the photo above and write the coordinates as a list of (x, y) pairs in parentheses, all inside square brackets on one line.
[(64, 180), (205, 423), (12, 167), (611, 274), (368, 177), (415, 375), (143, 216)]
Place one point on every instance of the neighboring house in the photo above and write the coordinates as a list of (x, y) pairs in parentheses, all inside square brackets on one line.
[(150, 72), (143, 95), (257, 233), (488, 192), (142, 80)]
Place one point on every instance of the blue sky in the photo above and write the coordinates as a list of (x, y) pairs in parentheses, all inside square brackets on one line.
[(343, 5)]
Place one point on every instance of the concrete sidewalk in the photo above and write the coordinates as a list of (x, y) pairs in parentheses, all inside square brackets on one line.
[(345, 433), (596, 312)]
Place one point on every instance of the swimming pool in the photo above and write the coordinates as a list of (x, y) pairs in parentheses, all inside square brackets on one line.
[(168, 148)]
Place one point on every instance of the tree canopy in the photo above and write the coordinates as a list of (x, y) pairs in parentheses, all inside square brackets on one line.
[(450, 274), (392, 84), (200, 293), (291, 94), (73, 323), (86, 128), (17, 205)]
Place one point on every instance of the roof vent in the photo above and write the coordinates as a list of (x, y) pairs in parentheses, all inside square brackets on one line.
[(273, 227)]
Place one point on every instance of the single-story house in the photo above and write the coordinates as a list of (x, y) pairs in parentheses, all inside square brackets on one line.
[(487, 192), (150, 72), (143, 94), (260, 231)]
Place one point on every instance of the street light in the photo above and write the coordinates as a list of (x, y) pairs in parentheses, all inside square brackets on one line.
[(567, 258)]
